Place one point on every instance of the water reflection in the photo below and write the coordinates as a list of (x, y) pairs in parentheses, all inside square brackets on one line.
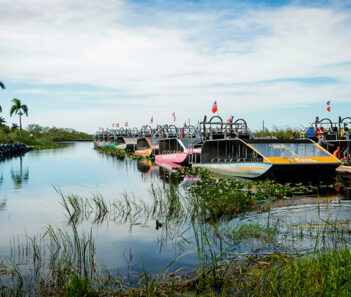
[(3, 205), (20, 176), (344, 188)]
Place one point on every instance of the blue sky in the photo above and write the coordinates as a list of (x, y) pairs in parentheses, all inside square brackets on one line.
[(87, 64)]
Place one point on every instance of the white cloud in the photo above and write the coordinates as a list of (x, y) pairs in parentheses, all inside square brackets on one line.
[(177, 60)]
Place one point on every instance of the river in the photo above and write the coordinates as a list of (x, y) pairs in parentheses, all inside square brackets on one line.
[(29, 203)]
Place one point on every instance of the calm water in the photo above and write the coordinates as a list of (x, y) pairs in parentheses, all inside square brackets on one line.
[(29, 203)]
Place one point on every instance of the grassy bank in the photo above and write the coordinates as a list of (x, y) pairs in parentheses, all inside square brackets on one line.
[(41, 137)]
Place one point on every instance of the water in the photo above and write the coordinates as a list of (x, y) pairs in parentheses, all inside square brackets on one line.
[(29, 203)]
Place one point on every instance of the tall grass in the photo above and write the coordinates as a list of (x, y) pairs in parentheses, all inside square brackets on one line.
[(49, 261)]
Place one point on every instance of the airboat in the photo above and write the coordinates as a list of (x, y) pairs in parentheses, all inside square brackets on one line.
[(337, 134), (231, 150), (147, 144), (179, 144), (127, 139)]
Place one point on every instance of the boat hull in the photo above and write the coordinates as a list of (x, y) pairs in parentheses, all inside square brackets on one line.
[(281, 172), (302, 172), (178, 158), (149, 152), (244, 169), (169, 166)]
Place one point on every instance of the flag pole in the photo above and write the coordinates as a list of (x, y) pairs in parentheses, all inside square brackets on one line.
[(263, 128)]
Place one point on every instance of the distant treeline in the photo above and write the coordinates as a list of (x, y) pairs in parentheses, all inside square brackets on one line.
[(38, 135), (57, 134), (279, 133)]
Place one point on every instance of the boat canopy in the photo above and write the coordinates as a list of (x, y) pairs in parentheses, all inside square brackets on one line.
[(262, 150), (289, 148), (228, 150), (124, 140)]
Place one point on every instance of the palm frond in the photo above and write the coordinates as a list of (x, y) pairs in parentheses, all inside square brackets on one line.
[(2, 85), (13, 110), (0, 109), (25, 109), (17, 102)]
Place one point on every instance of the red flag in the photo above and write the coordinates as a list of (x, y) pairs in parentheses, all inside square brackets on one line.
[(174, 117), (126, 124), (152, 120), (328, 108), (229, 120), (214, 107)]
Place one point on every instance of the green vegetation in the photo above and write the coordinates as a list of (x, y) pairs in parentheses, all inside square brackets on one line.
[(57, 134), (120, 153), (40, 137), (2, 86), (237, 195), (2, 121), (279, 133)]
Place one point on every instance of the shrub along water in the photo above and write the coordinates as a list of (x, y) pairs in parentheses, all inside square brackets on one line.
[(121, 153), (41, 137)]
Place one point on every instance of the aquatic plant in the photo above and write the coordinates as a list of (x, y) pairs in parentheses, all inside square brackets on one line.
[(120, 153)]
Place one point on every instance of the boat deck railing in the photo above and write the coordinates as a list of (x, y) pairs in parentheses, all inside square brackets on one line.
[(339, 130), (215, 128)]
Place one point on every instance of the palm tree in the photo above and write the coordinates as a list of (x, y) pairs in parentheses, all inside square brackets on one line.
[(14, 126), (19, 109), (2, 121)]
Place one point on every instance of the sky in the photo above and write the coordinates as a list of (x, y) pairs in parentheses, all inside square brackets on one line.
[(86, 64)]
